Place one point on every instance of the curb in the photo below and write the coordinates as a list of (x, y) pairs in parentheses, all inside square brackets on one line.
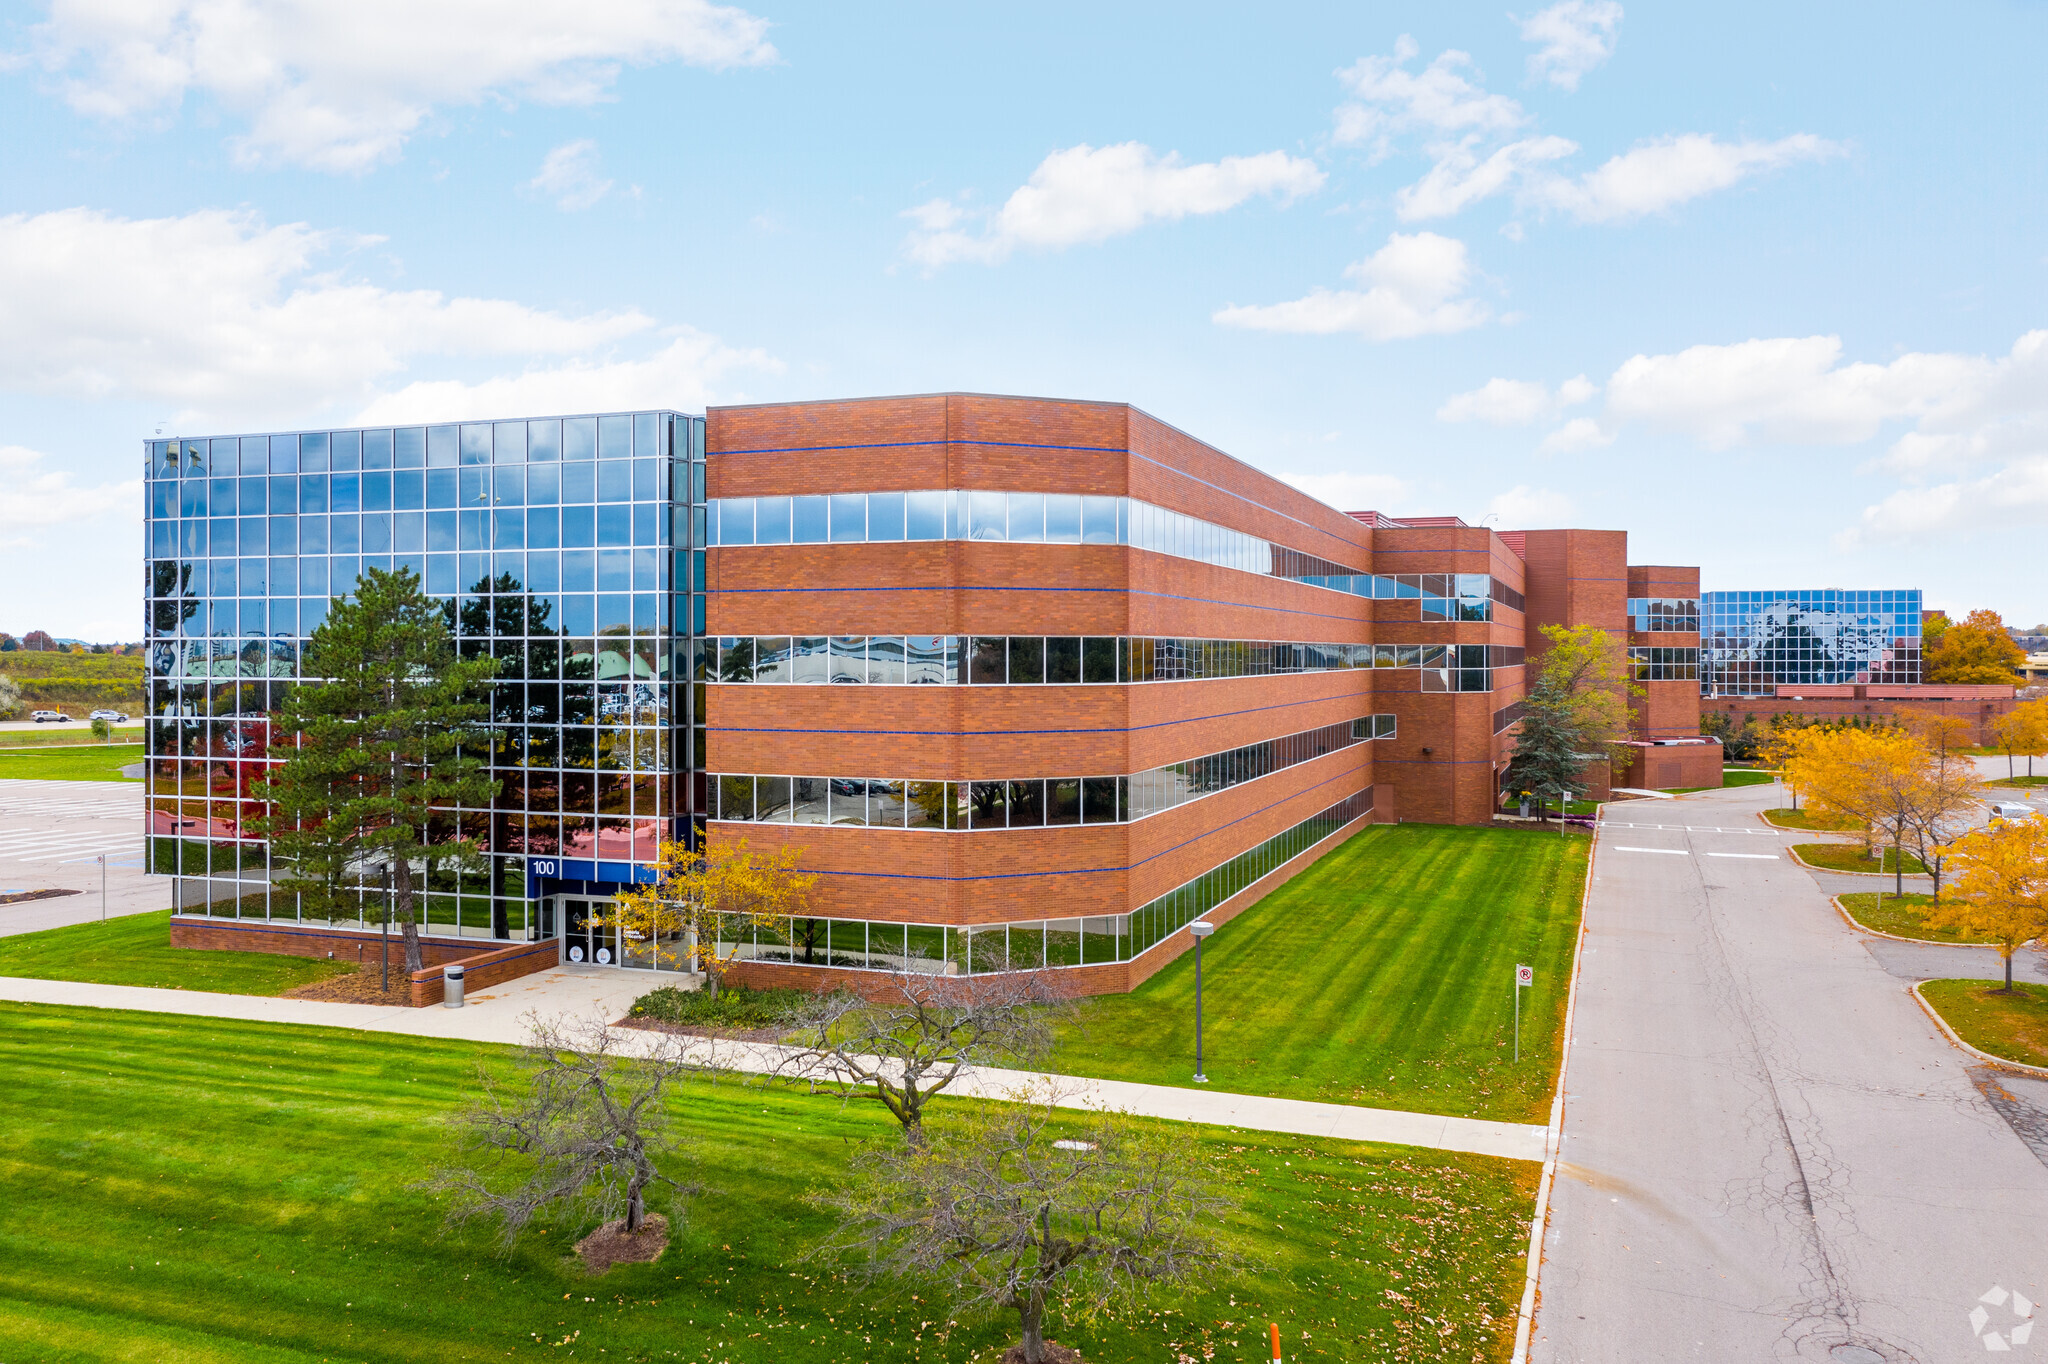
[(1837, 871), (1950, 1033), (1862, 927), (1539, 1224)]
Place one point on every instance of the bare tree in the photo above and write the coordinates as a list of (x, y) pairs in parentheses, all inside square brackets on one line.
[(999, 1215), (919, 1033), (579, 1133)]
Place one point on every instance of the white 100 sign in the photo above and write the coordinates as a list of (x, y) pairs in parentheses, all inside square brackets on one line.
[(541, 868)]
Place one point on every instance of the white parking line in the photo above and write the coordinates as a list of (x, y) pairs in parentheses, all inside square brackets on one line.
[(1762, 857), (1675, 852)]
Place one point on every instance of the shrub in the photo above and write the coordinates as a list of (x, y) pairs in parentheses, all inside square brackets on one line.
[(735, 1006)]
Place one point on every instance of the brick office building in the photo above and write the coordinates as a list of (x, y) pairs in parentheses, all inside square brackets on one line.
[(1026, 680)]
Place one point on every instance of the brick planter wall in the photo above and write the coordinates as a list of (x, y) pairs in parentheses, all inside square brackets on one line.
[(488, 962), (486, 969)]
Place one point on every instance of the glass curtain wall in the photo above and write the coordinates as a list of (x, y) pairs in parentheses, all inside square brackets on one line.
[(568, 548), (1754, 642)]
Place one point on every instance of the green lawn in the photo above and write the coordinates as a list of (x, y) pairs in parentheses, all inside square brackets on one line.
[(2020, 781), (1730, 777), (71, 735), (1383, 975), (87, 762), (1807, 819), (213, 1192), (1849, 857), (135, 949), (2013, 1026), (1902, 915)]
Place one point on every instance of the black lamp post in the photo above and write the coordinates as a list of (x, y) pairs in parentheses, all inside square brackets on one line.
[(1199, 929)]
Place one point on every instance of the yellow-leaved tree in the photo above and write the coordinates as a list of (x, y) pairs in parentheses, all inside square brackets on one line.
[(704, 905), (2001, 887), (1851, 775), (2022, 731)]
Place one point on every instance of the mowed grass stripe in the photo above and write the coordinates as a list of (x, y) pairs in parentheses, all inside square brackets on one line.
[(225, 1192), (135, 949), (1381, 976)]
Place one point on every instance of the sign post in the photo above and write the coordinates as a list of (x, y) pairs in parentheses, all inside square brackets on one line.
[(1199, 929), (1524, 976)]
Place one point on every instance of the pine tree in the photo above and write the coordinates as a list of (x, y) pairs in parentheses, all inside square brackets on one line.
[(1547, 758), (389, 741)]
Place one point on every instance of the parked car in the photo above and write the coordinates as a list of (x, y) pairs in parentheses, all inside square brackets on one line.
[(116, 716), (43, 717), (2007, 809)]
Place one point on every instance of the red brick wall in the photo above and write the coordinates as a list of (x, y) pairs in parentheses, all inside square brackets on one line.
[(1663, 768), (1980, 712), (1109, 978)]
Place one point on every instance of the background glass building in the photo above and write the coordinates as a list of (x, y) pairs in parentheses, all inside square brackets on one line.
[(1753, 642), (569, 548)]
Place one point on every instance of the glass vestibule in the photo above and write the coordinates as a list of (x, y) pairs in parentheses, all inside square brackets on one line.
[(585, 942)]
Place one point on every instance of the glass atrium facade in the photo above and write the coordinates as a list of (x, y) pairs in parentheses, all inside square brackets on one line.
[(1752, 643), (570, 548)]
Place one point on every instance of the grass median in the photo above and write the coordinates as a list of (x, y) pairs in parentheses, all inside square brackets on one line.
[(1902, 916), (1807, 819), (221, 1192), (1849, 857), (2013, 1026), (84, 762), (135, 949), (1383, 975)]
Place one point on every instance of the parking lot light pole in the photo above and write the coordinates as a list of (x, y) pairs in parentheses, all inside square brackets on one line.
[(1199, 929)]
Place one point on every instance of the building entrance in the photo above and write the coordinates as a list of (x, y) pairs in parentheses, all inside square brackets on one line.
[(588, 942)]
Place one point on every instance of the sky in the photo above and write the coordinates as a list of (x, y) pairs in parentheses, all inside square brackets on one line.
[(1762, 285)]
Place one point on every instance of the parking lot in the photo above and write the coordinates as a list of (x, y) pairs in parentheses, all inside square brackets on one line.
[(52, 834)]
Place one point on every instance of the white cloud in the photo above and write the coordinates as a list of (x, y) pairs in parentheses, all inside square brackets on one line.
[(1522, 507), (341, 87), (1515, 402), (1351, 491), (1975, 454), (1797, 390), (1089, 194), (570, 175), (2016, 495), (1460, 178), (690, 372), (1670, 171), (1414, 284), (1575, 436), (1577, 36), (39, 497), (1389, 98), (223, 317)]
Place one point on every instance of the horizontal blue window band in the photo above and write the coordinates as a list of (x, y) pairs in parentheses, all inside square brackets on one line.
[(1163, 596), (1251, 502), (1001, 733), (1076, 871)]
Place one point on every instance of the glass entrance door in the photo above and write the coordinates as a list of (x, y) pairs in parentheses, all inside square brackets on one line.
[(584, 942)]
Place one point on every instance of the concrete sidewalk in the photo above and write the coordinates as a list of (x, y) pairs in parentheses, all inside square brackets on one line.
[(498, 1015)]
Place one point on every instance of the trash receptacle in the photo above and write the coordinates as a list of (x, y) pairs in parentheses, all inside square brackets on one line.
[(451, 987)]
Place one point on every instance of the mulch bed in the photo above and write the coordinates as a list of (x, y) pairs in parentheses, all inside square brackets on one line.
[(768, 1034), (358, 987), (20, 896), (1055, 1353), (611, 1245)]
